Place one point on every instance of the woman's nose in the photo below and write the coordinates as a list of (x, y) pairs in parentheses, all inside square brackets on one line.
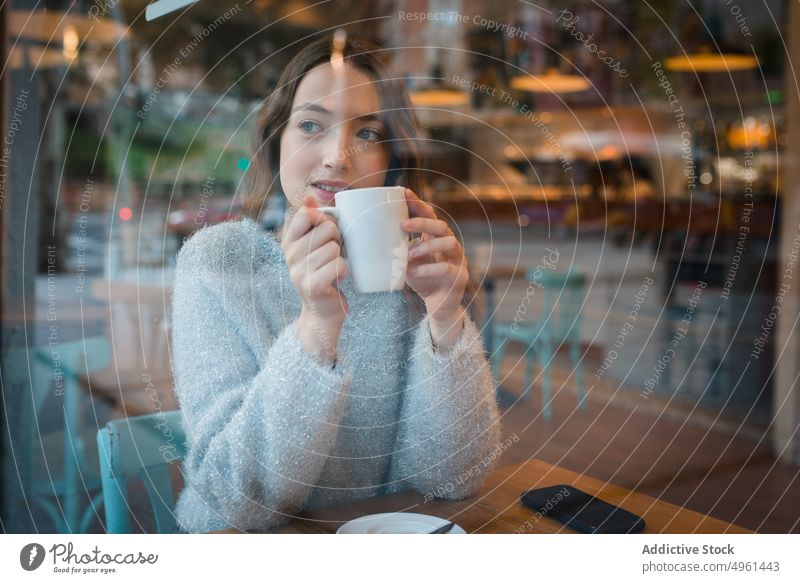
[(337, 151)]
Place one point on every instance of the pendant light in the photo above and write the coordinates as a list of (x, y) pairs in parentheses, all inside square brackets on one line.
[(705, 61), (436, 93), (551, 81)]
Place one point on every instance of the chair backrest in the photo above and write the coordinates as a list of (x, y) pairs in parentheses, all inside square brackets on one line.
[(564, 295), (140, 448), (138, 325)]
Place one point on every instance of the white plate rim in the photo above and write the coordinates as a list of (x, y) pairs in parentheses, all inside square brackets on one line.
[(382, 515)]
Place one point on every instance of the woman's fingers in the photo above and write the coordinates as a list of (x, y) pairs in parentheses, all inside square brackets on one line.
[(324, 231), (428, 226), (299, 223), (323, 254), (324, 278), (418, 207), (435, 269), (450, 246), (318, 236), (305, 219)]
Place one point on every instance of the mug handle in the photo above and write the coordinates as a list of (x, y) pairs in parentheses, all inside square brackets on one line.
[(336, 214)]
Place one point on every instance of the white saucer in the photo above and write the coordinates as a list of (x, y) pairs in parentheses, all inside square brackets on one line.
[(395, 523)]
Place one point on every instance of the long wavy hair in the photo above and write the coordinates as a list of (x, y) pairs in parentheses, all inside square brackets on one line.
[(404, 134)]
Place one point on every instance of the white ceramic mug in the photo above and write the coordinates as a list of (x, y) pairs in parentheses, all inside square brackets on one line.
[(376, 247)]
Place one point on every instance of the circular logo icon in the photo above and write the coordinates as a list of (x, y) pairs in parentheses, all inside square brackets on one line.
[(31, 556)]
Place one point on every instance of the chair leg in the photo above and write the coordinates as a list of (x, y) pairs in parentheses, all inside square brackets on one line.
[(545, 356), (577, 371), (115, 490), (72, 496)]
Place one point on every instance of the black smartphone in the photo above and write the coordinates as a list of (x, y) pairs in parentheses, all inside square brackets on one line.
[(581, 511)]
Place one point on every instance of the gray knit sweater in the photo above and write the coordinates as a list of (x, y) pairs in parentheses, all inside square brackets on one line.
[(272, 430)]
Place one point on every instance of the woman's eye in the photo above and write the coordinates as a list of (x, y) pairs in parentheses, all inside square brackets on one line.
[(370, 134), (308, 126)]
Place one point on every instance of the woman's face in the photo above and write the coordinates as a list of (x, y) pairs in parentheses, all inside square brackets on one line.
[(332, 139)]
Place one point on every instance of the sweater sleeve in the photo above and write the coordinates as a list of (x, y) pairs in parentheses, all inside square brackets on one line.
[(259, 429), (450, 425)]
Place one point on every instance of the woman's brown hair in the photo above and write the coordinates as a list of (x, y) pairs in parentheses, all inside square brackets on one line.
[(404, 133)]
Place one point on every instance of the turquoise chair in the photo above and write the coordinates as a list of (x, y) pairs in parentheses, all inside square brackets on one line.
[(559, 323), (63, 460), (140, 448)]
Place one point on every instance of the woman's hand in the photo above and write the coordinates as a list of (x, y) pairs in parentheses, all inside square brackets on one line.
[(437, 268), (311, 244)]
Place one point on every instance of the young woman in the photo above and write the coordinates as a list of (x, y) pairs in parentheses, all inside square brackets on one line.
[(297, 391)]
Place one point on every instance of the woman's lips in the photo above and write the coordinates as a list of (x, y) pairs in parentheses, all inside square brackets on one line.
[(328, 195), (323, 194)]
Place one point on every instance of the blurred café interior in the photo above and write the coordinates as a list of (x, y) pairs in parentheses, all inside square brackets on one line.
[(642, 151)]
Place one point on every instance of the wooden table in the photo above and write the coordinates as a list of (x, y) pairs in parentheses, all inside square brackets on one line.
[(497, 509)]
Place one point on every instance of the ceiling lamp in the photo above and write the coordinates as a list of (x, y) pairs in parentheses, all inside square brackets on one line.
[(438, 96), (437, 93), (551, 82), (705, 61)]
